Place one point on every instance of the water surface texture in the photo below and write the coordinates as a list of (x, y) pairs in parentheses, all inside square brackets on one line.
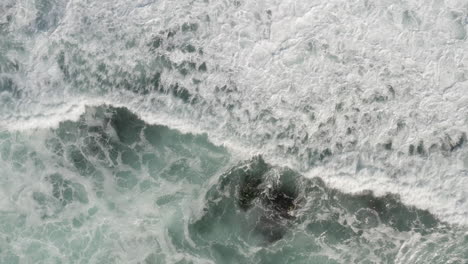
[(273, 131)]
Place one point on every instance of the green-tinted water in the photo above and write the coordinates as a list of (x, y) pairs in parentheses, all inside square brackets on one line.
[(109, 188)]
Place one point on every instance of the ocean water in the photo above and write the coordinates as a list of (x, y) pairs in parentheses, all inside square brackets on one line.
[(233, 131)]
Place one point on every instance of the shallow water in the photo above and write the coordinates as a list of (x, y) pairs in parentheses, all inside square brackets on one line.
[(233, 131)]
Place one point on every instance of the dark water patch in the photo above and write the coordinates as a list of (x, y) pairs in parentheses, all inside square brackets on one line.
[(48, 14), (411, 149), (155, 43), (127, 126), (175, 38), (47, 206), (453, 143), (265, 205), (7, 65), (126, 179), (4, 25), (388, 145), (80, 162), (145, 78), (325, 153), (8, 85), (87, 72), (202, 67), (62, 63), (108, 140), (189, 48), (43, 20), (185, 67), (446, 145), (458, 143), (67, 191), (181, 93), (420, 149), (189, 27)]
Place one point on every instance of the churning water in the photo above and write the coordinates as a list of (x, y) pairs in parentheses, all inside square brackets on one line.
[(233, 131)]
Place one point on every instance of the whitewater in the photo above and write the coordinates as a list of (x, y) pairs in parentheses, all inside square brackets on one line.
[(233, 131)]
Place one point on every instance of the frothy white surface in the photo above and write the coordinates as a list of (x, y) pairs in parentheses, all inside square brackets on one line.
[(301, 78)]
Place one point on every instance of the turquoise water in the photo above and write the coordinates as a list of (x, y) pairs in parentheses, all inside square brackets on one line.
[(196, 131), (109, 188), (104, 189)]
